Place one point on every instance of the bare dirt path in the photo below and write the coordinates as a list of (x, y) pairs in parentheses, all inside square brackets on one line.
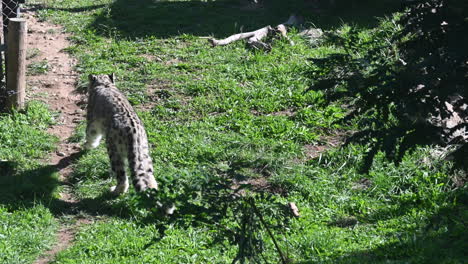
[(55, 86)]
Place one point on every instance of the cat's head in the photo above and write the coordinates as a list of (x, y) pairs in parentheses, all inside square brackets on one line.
[(100, 79)]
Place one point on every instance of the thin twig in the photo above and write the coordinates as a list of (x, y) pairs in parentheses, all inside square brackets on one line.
[(257, 212)]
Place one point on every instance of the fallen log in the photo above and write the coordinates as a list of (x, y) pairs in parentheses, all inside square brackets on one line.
[(254, 38)]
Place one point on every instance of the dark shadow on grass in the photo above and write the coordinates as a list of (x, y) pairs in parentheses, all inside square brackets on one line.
[(41, 186), (27, 188), (217, 202), (222, 18)]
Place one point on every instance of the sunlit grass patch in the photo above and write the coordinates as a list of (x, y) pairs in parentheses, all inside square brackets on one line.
[(25, 233)]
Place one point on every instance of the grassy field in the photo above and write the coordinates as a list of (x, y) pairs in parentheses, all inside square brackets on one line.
[(234, 135), (27, 226)]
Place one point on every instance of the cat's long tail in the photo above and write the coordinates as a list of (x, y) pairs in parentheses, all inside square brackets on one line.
[(140, 163)]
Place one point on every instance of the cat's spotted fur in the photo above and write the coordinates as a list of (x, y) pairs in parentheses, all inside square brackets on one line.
[(110, 114)]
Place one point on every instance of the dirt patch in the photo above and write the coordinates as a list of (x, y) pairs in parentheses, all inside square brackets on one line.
[(257, 185), (312, 151), (151, 57), (65, 238), (55, 86)]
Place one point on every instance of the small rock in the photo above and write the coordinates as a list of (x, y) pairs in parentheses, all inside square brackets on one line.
[(313, 34), (294, 210), (61, 154)]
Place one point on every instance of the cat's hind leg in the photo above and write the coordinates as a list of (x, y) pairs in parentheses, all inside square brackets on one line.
[(93, 135), (118, 160)]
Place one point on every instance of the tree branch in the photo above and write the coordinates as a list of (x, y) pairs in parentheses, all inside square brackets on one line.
[(255, 37)]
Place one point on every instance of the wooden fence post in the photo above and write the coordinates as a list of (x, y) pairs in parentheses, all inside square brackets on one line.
[(16, 63)]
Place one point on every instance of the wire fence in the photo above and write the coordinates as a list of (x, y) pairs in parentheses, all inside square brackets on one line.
[(10, 9)]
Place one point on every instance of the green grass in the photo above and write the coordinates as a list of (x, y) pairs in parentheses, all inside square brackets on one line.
[(228, 116), (38, 67), (138, 244), (23, 136), (27, 226), (24, 233), (32, 53)]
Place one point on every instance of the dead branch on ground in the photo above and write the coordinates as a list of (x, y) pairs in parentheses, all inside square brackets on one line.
[(254, 38)]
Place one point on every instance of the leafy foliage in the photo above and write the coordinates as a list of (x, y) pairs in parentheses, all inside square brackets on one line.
[(38, 67)]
